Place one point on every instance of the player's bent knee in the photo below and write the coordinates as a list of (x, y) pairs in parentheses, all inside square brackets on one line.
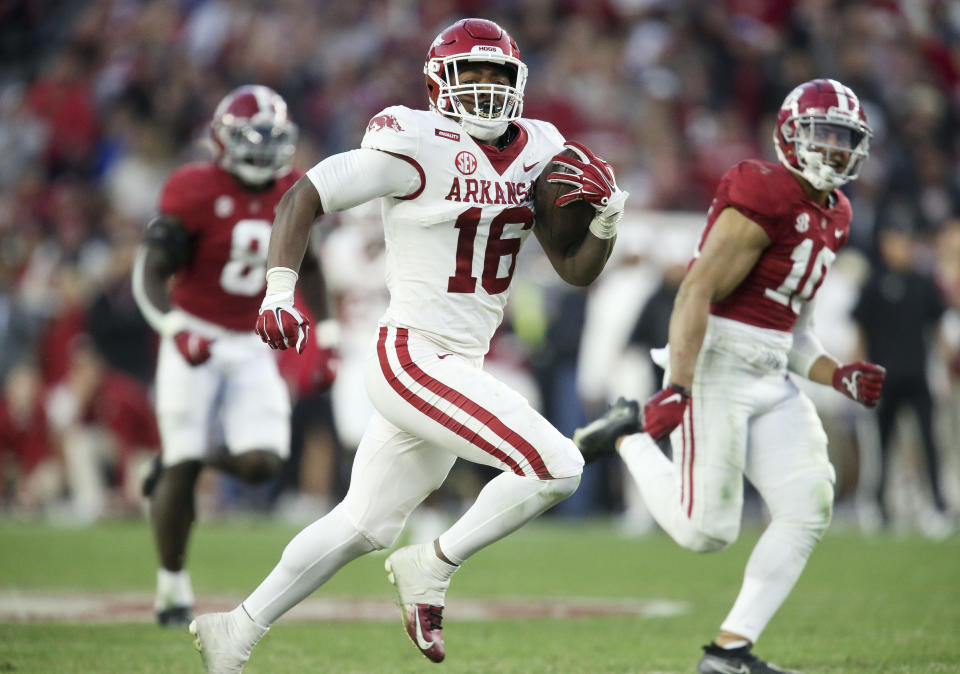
[(698, 541), (561, 488), (257, 466)]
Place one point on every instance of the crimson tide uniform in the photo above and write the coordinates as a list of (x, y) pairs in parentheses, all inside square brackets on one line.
[(746, 417), (220, 289), (805, 238)]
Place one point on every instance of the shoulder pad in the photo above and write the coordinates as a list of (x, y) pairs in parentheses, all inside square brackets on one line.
[(186, 186), (166, 233), (393, 129), (758, 187), (547, 130)]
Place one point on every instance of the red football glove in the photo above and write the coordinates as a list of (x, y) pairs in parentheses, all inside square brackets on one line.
[(195, 349), (283, 327), (591, 175), (860, 381), (663, 412)]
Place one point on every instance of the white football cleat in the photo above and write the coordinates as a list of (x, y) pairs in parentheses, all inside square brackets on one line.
[(421, 598), (224, 640)]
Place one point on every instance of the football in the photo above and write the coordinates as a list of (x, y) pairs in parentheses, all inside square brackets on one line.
[(563, 225)]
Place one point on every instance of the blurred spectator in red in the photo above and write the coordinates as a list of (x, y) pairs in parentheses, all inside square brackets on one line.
[(106, 426), (31, 476)]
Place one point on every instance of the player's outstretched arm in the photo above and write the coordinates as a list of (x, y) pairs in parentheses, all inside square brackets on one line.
[(297, 210), (732, 248), (280, 324)]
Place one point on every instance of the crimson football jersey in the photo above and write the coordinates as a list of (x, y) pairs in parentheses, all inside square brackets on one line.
[(229, 227), (804, 240)]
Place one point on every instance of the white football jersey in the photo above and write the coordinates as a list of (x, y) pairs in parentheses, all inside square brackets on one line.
[(452, 243)]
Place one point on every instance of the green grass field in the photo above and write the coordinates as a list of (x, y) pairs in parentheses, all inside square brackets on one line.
[(879, 605)]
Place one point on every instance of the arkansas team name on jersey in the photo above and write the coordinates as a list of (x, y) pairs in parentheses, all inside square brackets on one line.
[(471, 190), (229, 228), (452, 244), (804, 241)]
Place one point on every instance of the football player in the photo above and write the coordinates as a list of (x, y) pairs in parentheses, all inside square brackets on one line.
[(198, 280), (740, 323), (455, 188)]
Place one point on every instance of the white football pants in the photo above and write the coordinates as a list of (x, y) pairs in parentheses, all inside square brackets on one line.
[(431, 408), (237, 394), (745, 418)]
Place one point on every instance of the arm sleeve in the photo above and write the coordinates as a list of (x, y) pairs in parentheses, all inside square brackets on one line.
[(806, 347), (351, 178)]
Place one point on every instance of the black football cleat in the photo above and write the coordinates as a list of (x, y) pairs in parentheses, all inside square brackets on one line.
[(718, 660), (175, 616), (599, 437)]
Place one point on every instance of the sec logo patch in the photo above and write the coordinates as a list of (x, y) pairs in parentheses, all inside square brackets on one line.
[(466, 163)]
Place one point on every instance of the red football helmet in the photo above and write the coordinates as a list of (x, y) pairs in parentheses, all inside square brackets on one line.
[(822, 133), (254, 137), (494, 106)]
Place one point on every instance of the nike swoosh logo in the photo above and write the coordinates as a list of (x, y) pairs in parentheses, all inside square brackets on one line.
[(527, 168), (728, 668), (675, 398), (441, 356), (421, 642), (850, 383)]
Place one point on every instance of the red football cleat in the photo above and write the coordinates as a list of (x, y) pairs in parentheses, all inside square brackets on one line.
[(421, 600), (424, 625)]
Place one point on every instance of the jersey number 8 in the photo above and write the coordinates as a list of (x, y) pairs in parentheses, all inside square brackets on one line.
[(245, 271)]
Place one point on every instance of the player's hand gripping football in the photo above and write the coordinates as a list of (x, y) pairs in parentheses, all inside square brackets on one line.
[(194, 348), (860, 381), (594, 182), (280, 324), (663, 412)]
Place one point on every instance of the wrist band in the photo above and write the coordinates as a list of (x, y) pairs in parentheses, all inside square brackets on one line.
[(682, 390)]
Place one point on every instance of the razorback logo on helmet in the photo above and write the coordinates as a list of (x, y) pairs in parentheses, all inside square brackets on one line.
[(384, 122)]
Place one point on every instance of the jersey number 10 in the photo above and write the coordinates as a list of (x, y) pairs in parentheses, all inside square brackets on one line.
[(804, 279)]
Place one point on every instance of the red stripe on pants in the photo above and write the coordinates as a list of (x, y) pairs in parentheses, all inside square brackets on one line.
[(461, 401)]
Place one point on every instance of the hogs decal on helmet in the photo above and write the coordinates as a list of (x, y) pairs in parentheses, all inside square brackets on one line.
[(483, 110)]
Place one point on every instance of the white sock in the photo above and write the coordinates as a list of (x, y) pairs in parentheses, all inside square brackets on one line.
[(506, 502), (308, 561), (739, 643), (427, 560), (173, 589)]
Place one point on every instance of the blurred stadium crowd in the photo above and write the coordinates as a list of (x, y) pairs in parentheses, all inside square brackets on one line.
[(100, 100)]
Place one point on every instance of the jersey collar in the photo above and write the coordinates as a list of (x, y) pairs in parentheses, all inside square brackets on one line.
[(502, 159)]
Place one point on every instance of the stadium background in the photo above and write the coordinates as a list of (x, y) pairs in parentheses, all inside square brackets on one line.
[(100, 100)]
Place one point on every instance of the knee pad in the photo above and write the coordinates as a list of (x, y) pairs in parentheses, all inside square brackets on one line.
[(807, 505)]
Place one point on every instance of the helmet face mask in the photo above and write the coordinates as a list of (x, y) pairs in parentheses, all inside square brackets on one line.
[(822, 134), (254, 136), (483, 107)]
